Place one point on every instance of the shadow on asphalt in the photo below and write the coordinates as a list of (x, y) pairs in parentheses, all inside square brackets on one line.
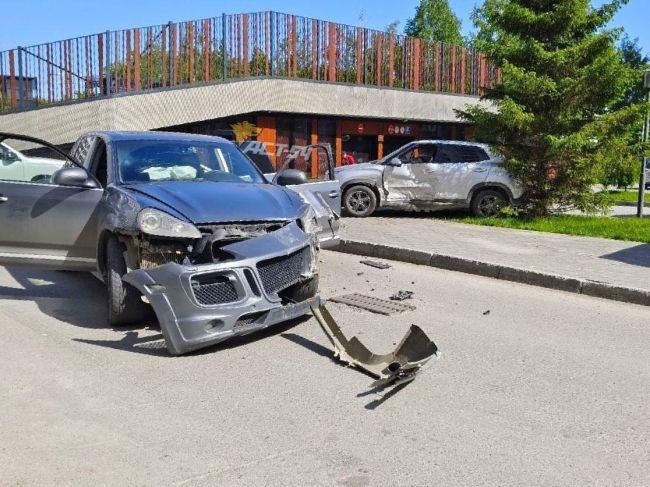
[(639, 255), (55, 293), (322, 351), (155, 345)]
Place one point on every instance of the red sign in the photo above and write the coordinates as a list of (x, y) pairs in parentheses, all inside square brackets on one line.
[(360, 128)]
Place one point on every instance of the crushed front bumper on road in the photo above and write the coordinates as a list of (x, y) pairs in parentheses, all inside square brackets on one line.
[(201, 305)]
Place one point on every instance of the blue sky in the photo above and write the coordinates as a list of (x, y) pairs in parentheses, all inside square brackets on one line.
[(31, 22)]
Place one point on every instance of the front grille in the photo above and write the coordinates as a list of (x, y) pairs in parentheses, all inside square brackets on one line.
[(281, 272), (213, 289), (249, 319)]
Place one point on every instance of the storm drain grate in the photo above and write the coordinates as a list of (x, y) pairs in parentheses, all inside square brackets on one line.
[(375, 305)]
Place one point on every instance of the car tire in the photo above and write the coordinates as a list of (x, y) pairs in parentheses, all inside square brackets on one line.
[(359, 201), (488, 203), (124, 303)]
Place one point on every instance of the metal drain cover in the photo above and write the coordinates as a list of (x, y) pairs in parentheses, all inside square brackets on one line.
[(374, 305)]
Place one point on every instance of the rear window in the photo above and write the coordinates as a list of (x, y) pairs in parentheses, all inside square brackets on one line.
[(461, 153)]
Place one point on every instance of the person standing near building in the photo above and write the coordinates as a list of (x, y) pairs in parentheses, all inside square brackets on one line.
[(347, 159)]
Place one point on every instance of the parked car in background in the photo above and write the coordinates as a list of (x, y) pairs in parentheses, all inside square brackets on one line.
[(16, 166), (429, 175), (186, 222)]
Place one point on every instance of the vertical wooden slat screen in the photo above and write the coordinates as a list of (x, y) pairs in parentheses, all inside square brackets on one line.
[(136, 59), (332, 52), (100, 52), (235, 46), (12, 79), (127, 34)]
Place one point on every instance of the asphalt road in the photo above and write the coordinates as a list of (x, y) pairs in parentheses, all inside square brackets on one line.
[(547, 388)]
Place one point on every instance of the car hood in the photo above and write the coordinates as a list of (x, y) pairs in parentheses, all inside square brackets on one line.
[(212, 202), (363, 166), (365, 170)]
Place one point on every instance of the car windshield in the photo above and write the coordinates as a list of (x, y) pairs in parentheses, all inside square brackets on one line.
[(144, 161)]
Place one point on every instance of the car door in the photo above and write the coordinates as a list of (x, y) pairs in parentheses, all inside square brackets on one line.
[(407, 177), (458, 168), (324, 195), (45, 224)]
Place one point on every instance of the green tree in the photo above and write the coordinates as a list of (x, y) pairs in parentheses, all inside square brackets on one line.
[(434, 20), (557, 116), (623, 171), (633, 56)]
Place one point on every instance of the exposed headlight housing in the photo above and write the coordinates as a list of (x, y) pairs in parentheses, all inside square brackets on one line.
[(309, 221), (160, 224)]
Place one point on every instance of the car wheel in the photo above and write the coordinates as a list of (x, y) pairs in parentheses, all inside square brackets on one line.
[(360, 201), (488, 203), (124, 303)]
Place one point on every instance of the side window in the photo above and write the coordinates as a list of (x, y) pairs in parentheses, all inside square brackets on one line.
[(28, 162), (460, 153), (79, 151), (421, 154), (7, 155), (99, 163)]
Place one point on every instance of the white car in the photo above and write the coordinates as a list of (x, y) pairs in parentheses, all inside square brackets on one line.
[(16, 166), (429, 175)]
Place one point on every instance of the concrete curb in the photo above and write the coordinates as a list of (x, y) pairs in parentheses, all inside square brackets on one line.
[(630, 203), (496, 271)]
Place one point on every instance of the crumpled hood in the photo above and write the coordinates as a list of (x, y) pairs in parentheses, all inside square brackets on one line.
[(366, 171), (212, 202)]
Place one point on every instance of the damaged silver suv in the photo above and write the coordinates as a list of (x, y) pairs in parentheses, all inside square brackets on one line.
[(186, 223)]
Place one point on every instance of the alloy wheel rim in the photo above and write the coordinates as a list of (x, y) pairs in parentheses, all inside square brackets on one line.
[(359, 201), (490, 206)]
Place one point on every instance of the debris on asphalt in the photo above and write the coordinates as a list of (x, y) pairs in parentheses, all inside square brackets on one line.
[(392, 369), (376, 264), (359, 273), (401, 295), (372, 304), (487, 312)]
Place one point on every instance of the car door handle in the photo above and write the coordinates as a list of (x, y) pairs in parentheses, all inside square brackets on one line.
[(333, 194), (480, 169), (3, 199), (429, 170)]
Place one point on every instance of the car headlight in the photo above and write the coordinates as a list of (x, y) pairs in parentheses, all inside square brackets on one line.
[(160, 224), (309, 221)]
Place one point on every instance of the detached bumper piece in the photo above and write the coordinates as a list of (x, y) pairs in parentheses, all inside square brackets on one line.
[(391, 369)]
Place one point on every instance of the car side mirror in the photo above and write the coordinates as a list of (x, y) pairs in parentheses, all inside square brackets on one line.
[(395, 162), (288, 177), (73, 176)]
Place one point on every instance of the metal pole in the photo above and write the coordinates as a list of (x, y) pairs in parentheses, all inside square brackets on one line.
[(224, 36), (644, 160), (21, 81), (169, 48), (108, 62), (272, 44)]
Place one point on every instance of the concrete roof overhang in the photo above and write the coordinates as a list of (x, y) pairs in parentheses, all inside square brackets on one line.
[(166, 107)]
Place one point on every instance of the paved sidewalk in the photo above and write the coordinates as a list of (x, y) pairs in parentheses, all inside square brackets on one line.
[(594, 266)]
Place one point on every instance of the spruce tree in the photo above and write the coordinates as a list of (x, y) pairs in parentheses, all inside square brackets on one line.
[(557, 116)]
